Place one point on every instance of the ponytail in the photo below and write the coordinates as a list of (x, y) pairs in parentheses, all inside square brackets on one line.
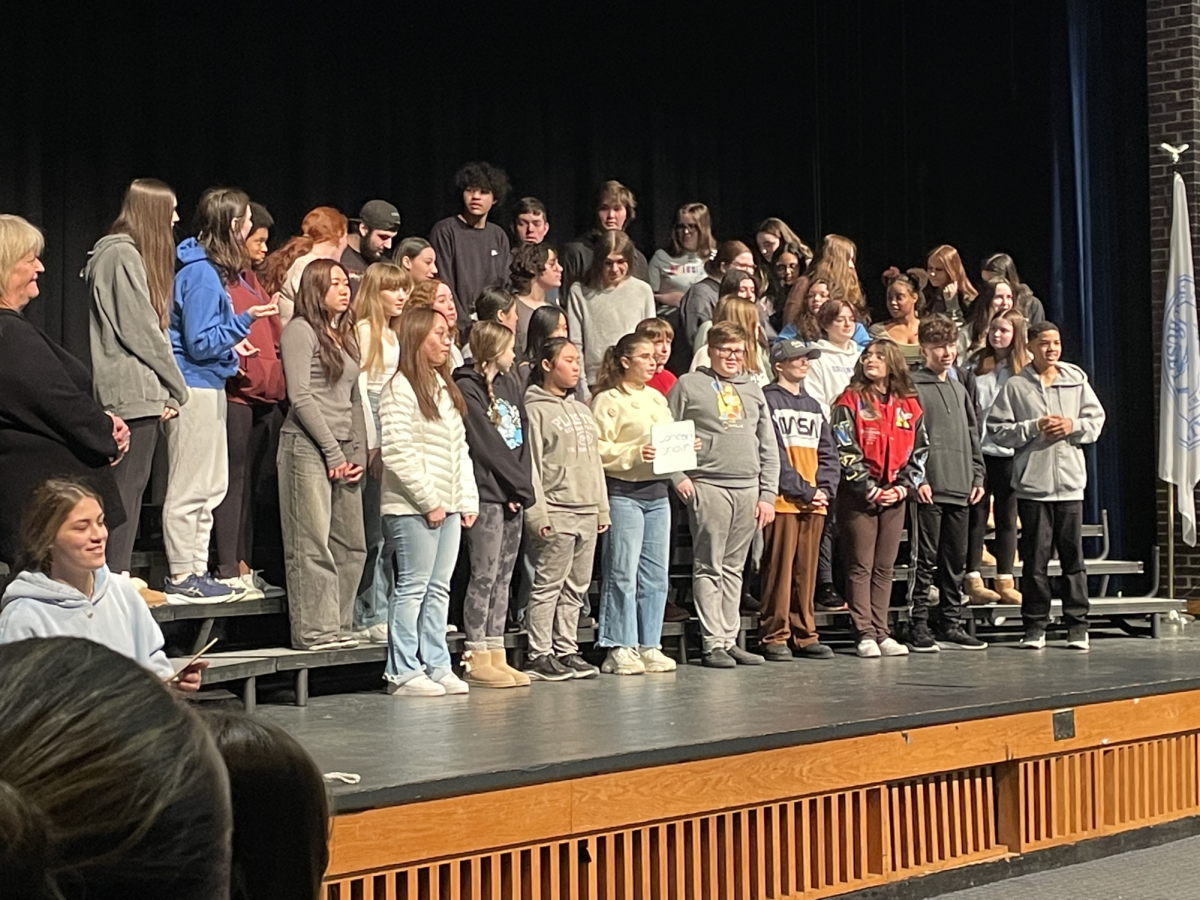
[(612, 373)]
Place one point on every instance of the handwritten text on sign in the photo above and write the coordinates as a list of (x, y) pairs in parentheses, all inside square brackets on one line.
[(674, 447)]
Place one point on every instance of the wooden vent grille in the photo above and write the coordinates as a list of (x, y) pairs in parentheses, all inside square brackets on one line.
[(809, 847), (1103, 790)]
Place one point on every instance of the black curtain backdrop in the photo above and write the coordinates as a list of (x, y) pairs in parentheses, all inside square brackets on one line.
[(902, 125)]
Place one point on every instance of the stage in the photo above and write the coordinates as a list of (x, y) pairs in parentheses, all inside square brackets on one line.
[(794, 779)]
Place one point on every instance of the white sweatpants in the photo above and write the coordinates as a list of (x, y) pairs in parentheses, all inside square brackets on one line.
[(196, 480)]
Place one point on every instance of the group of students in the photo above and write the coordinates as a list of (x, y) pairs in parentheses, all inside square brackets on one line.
[(464, 391)]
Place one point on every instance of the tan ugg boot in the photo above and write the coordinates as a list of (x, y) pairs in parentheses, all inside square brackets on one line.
[(986, 558), (481, 673), (500, 664), (977, 592), (1007, 589)]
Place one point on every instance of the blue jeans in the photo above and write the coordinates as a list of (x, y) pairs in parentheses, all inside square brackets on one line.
[(419, 606), (371, 604), (633, 590)]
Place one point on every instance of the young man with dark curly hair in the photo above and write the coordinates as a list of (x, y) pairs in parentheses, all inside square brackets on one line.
[(473, 253)]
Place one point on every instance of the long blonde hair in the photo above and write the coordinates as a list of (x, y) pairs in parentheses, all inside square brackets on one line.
[(488, 341), (369, 308), (744, 314), (835, 265)]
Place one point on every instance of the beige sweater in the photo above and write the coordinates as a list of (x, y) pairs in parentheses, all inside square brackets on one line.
[(623, 422)]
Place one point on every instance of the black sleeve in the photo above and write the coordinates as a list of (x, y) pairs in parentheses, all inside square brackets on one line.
[(829, 473), (855, 471), (490, 452)]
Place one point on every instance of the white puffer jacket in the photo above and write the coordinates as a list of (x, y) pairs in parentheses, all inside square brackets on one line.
[(426, 464)]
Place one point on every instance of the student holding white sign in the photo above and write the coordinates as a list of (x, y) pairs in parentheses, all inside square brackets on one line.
[(633, 591)]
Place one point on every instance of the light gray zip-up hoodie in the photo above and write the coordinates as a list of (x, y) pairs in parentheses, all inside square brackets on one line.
[(1044, 469), (134, 373)]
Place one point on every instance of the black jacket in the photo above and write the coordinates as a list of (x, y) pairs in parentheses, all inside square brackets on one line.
[(502, 472), (955, 462), (49, 426)]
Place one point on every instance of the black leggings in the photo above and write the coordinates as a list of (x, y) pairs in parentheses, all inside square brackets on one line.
[(998, 487)]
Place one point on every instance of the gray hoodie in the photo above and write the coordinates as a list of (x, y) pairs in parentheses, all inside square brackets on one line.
[(737, 438), (1043, 469), (134, 373), (37, 606), (567, 471), (955, 462)]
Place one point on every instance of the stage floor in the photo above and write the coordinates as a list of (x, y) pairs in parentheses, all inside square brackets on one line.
[(420, 749)]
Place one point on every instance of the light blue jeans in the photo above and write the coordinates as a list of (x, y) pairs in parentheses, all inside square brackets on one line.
[(419, 606), (633, 588), (371, 604)]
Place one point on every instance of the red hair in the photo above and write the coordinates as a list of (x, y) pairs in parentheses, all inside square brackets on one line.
[(321, 226)]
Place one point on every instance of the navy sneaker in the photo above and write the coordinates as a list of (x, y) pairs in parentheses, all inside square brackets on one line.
[(197, 589)]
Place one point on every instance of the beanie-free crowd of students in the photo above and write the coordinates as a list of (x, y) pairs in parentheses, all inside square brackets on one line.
[(396, 445)]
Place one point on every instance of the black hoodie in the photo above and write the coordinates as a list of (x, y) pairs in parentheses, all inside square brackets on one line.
[(955, 462), (500, 453)]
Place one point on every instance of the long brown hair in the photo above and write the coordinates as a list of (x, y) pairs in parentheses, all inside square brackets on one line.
[(48, 507), (488, 341), (145, 216), (609, 242), (612, 373), (426, 380), (219, 216), (899, 382), (952, 263), (368, 307), (835, 264), (1018, 351), (805, 322), (744, 314), (776, 226), (424, 295), (979, 317), (335, 333), (706, 243), (322, 225)]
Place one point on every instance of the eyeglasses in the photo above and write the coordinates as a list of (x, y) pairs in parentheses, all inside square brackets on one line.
[(646, 356), (730, 353), (615, 263), (688, 229)]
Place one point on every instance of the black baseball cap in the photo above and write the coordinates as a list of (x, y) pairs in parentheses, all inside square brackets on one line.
[(782, 351), (379, 215)]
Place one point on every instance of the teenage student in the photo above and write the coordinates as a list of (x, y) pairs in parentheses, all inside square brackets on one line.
[(829, 374), (700, 300), (129, 275), (500, 453), (380, 300), (731, 494), (1004, 356), (322, 236), (659, 333), (675, 268), (1046, 413), (880, 434), (433, 293), (996, 297), (322, 457), (418, 257), (499, 306), (808, 479), (951, 484), (1001, 265), (608, 303), (209, 340), (633, 586), (902, 326), (473, 253), (252, 421), (744, 314), (836, 263), (429, 497), (949, 290), (616, 207), (569, 513), (536, 276)]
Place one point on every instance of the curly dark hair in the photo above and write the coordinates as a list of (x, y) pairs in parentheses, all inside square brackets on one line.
[(529, 261), (936, 330), (486, 177)]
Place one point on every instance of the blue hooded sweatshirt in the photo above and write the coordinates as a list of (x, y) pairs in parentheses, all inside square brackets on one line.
[(203, 326)]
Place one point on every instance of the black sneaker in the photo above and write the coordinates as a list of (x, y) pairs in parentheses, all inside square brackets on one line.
[(717, 658), (578, 666), (955, 638), (776, 653), (744, 657), (547, 668), (815, 651), (922, 639), (827, 599)]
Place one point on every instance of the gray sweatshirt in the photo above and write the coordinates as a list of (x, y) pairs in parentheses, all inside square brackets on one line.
[(565, 458), (955, 462), (134, 373), (599, 317), (1044, 469), (330, 414), (737, 439)]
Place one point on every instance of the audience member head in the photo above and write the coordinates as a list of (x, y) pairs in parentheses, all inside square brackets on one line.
[(534, 263), (945, 269), (730, 255), (728, 348), (630, 362), (148, 215), (256, 243), (63, 534), (739, 283), (482, 186), (531, 223), (495, 305), (426, 336), (109, 787), (881, 370), (323, 231), (692, 232), (434, 294), (1045, 345), (20, 246), (223, 222), (323, 301), (376, 227), (613, 255), (773, 232), (415, 254), (556, 367), (1006, 342), (280, 810), (660, 333), (615, 206), (381, 296), (547, 322), (938, 336), (902, 298), (838, 320)]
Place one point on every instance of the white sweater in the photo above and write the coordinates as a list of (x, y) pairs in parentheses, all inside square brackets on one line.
[(830, 373), (426, 463)]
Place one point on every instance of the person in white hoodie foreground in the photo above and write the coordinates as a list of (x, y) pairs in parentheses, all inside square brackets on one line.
[(829, 374), (65, 589)]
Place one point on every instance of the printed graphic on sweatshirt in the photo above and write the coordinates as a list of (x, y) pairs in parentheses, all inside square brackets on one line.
[(730, 411), (580, 427), (798, 427), (510, 424)]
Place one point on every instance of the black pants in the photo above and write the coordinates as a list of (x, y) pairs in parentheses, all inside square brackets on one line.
[(132, 474), (941, 560), (1045, 527), (825, 555), (250, 428), (998, 487)]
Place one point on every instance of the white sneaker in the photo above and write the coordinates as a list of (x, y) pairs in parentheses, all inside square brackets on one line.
[(654, 661), (254, 577), (250, 588), (892, 647), (868, 649), (376, 634), (236, 586), (622, 661), (421, 686), (1078, 642), (452, 684), (1033, 640)]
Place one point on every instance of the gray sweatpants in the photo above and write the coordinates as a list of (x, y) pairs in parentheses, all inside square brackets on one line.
[(563, 571), (722, 525), (197, 478), (492, 545), (323, 543)]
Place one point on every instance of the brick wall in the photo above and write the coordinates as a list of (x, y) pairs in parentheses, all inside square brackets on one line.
[(1173, 83)]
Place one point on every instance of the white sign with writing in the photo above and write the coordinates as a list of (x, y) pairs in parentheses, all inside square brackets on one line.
[(674, 447)]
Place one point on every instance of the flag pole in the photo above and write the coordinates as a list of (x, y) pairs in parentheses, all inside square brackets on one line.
[(1170, 541)]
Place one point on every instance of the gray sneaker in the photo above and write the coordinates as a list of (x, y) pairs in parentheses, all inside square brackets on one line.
[(547, 668), (717, 658), (744, 657)]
